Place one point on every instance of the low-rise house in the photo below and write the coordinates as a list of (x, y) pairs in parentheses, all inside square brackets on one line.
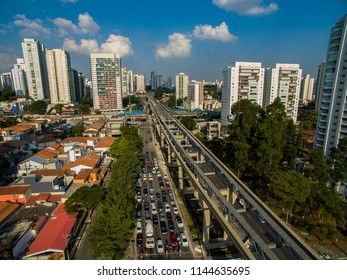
[(17, 132), (15, 194), (44, 159), (52, 241), (89, 161), (104, 144), (95, 128), (80, 141), (87, 177)]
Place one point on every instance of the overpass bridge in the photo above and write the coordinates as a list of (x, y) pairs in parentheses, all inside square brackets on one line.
[(254, 229)]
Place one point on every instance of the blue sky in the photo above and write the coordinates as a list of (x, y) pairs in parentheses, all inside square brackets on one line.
[(198, 37)]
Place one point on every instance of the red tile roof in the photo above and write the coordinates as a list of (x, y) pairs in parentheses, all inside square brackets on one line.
[(105, 142), (53, 237), (89, 160), (6, 209), (6, 190)]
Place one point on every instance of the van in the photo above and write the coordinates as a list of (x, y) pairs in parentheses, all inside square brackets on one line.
[(149, 228)]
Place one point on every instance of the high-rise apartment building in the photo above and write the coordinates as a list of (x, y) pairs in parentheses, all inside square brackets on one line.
[(318, 85), (19, 78), (332, 112), (106, 81), (195, 94), (140, 86), (6, 81), (36, 69), (241, 80), (283, 81), (306, 91), (181, 85), (60, 77)]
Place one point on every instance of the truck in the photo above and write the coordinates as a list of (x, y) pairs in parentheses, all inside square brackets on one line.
[(149, 228)]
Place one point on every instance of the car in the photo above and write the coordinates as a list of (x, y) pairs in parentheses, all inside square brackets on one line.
[(152, 198), (158, 173), (155, 220), (144, 176), (171, 225), (138, 216), (173, 239), (164, 199), (260, 218), (160, 206), (167, 208), (139, 207), (151, 191), (154, 171), (138, 197), (165, 176), (162, 217), (138, 227), (146, 206), (154, 209), (157, 195), (242, 203), (146, 142), (179, 222), (139, 239), (163, 228), (147, 216), (149, 242), (167, 184), (160, 246), (138, 189), (175, 209), (168, 216), (145, 191), (183, 239)]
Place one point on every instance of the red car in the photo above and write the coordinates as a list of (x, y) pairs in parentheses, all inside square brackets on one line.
[(173, 239), (167, 184)]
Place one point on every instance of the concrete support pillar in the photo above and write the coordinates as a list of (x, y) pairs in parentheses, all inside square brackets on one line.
[(200, 157), (180, 176), (168, 153), (162, 140), (206, 222), (234, 194), (225, 235)]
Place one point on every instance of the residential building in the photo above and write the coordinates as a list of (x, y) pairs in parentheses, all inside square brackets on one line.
[(140, 86), (15, 194), (318, 85), (36, 69), (114, 124), (89, 161), (195, 94), (332, 114), (241, 80), (60, 77), (306, 92), (106, 81), (283, 81), (19, 78), (6, 81), (181, 86)]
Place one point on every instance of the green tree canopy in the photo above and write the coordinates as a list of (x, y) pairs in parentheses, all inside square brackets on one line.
[(58, 108), (83, 109), (188, 122), (172, 101), (158, 93), (36, 107), (77, 130), (83, 198)]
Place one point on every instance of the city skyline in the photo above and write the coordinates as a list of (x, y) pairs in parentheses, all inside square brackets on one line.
[(172, 37)]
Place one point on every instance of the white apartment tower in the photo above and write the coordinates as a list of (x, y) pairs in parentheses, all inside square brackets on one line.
[(181, 85), (283, 81), (195, 94), (60, 76), (36, 69), (140, 86), (19, 78), (306, 92), (332, 111), (106, 75), (241, 80)]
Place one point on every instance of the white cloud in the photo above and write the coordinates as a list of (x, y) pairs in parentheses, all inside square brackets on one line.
[(114, 44), (117, 44), (178, 46), (85, 25), (31, 27), (246, 7), (219, 33), (85, 47)]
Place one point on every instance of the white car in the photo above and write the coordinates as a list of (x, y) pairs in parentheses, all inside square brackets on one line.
[(183, 239), (138, 227), (149, 242), (138, 198), (175, 209), (160, 246), (179, 221), (167, 208), (154, 209), (165, 176)]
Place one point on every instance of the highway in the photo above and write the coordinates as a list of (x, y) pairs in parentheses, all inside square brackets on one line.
[(255, 230)]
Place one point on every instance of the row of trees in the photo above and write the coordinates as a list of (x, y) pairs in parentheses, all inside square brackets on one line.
[(262, 148), (112, 231)]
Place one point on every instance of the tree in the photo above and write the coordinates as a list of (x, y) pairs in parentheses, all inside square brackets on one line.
[(58, 108), (238, 148), (83, 109), (158, 93), (77, 130), (87, 101), (338, 161), (7, 95), (83, 198), (188, 122), (37, 107), (179, 101), (97, 112), (292, 144), (316, 169), (172, 101), (290, 188)]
